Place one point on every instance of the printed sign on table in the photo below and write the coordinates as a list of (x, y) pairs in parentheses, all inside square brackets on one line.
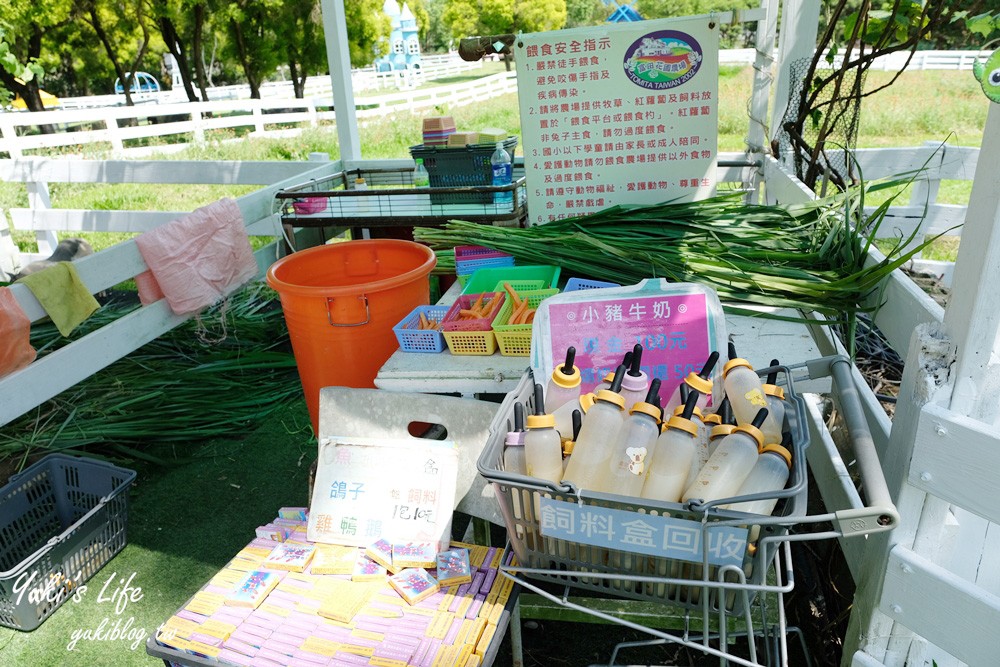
[(648, 534), (369, 488), (618, 114), (672, 329)]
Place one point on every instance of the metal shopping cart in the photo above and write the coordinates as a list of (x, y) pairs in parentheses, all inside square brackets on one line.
[(728, 571)]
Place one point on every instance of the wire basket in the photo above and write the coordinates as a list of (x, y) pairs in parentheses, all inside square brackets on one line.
[(61, 520), (412, 339), (473, 336), (461, 167), (514, 340), (693, 548), (390, 199)]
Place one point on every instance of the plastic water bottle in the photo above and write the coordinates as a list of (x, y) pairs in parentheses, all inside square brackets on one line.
[(503, 174), (632, 451), (743, 387), (564, 385), (592, 450), (728, 467), (635, 384), (421, 179), (564, 414), (769, 474), (675, 454), (775, 397), (542, 446), (513, 450)]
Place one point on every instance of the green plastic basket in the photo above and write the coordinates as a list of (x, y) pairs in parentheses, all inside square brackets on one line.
[(514, 340), (541, 276)]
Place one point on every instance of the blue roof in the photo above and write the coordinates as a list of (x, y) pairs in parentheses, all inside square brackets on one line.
[(623, 13)]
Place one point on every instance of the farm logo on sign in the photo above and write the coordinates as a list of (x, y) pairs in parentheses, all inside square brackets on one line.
[(662, 60)]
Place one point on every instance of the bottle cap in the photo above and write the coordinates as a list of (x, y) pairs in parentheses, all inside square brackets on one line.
[(735, 363), (567, 446), (774, 390), (698, 383), (749, 429), (419, 160), (587, 401), (695, 412), (567, 375), (611, 397), (635, 383), (713, 418), (682, 424), (780, 451), (359, 181), (645, 408), (541, 421), (721, 430), (514, 439)]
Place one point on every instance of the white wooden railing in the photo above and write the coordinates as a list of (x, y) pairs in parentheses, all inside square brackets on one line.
[(922, 60), (120, 126), (56, 372)]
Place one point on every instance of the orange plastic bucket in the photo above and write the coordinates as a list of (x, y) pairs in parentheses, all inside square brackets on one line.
[(340, 303)]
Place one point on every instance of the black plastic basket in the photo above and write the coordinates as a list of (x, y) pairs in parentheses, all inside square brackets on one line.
[(461, 167), (61, 521)]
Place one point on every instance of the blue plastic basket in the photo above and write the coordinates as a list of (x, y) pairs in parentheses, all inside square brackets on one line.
[(412, 339), (575, 284)]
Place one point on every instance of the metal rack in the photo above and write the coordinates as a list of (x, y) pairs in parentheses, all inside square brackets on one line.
[(391, 200), (718, 600)]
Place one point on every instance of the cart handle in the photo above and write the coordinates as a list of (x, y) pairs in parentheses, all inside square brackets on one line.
[(880, 514)]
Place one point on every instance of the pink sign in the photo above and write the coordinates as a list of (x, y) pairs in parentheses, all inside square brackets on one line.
[(673, 331)]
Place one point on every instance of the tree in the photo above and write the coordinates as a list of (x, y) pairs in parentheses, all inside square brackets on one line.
[(467, 18), (422, 15), (254, 41), (27, 23), (177, 21), (582, 13), (11, 66), (831, 96), (438, 36), (539, 15), (301, 31), (368, 30), (115, 26)]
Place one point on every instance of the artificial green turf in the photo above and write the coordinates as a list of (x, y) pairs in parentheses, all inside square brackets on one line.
[(185, 523)]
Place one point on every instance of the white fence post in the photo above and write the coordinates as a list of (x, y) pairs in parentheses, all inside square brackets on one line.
[(258, 117), (8, 137), (199, 128), (39, 199), (111, 128)]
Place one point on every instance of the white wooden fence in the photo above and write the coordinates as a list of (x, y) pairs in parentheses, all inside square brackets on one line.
[(56, 372), (922, 60), (120, 127)]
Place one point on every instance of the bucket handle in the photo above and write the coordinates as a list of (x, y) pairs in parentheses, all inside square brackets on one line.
[(329, 315)]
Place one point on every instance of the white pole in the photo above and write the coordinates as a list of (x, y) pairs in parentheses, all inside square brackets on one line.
[(339, 61)]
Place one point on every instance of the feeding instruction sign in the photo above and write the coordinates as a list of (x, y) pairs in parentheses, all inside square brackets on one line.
[(618, 114), (661, 536), (368, 488)]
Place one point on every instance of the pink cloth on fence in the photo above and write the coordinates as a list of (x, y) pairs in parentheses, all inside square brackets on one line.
[(196, 260), (15, 347)]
